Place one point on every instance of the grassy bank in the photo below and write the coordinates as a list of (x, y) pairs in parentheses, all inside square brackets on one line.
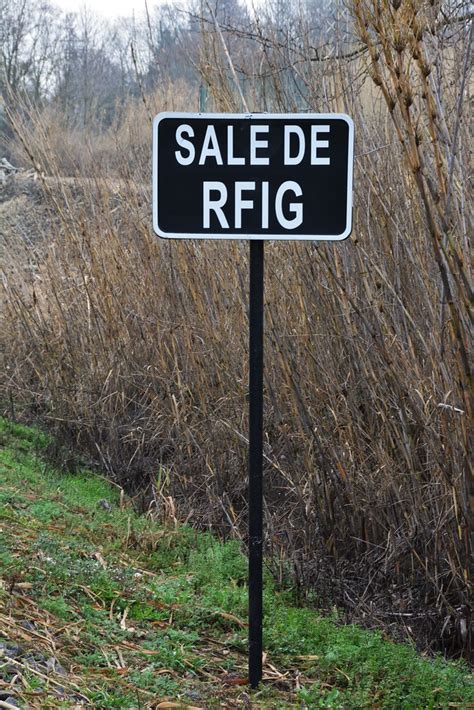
[(102, 608)]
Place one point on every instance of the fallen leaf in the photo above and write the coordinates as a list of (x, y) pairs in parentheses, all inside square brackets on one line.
[(123, 620), (100, 560), (235, 680), (232, 617)]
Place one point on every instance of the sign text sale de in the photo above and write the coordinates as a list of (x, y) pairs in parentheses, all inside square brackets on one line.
[(264, 176)]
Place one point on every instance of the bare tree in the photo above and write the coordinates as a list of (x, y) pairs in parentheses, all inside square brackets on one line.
[(29, 40)]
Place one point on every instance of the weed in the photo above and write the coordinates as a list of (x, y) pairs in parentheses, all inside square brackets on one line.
[(129, 624)]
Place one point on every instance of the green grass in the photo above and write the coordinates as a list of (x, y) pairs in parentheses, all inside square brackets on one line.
[(139, 614)]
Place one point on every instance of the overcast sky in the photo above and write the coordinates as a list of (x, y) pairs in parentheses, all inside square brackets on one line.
[(115, 8), (109, 8)]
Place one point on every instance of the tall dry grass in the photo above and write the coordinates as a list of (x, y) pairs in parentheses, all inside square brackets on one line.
[(134, 350)]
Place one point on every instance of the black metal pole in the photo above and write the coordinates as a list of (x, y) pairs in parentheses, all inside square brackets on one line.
[(255, 462)]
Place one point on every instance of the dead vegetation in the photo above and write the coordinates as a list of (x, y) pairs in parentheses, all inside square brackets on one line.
[(134, 350)]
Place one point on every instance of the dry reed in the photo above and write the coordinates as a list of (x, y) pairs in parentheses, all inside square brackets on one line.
[(134, 350)]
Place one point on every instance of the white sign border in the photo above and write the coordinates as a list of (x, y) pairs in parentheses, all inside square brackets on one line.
[(267, 237)]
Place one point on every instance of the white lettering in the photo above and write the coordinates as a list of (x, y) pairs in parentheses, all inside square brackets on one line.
[(256, 144), (231, 158), (295, 207), (241, 204), (315, 144), (187, 145), (264, 205), (295, 159), (214, 205), (210, 147)]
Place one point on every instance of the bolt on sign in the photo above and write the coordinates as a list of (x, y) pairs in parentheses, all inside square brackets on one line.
[(252, 176)]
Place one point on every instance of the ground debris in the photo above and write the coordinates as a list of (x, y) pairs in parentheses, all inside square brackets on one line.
[(104, 608)]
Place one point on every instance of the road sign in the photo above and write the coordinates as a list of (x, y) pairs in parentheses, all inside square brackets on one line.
[(255, 177), (252, 176)]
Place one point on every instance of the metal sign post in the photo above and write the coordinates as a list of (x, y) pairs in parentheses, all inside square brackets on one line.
[(255, 462), (254, 177)]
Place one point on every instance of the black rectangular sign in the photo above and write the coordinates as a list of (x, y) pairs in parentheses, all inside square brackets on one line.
[(260, 176)]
